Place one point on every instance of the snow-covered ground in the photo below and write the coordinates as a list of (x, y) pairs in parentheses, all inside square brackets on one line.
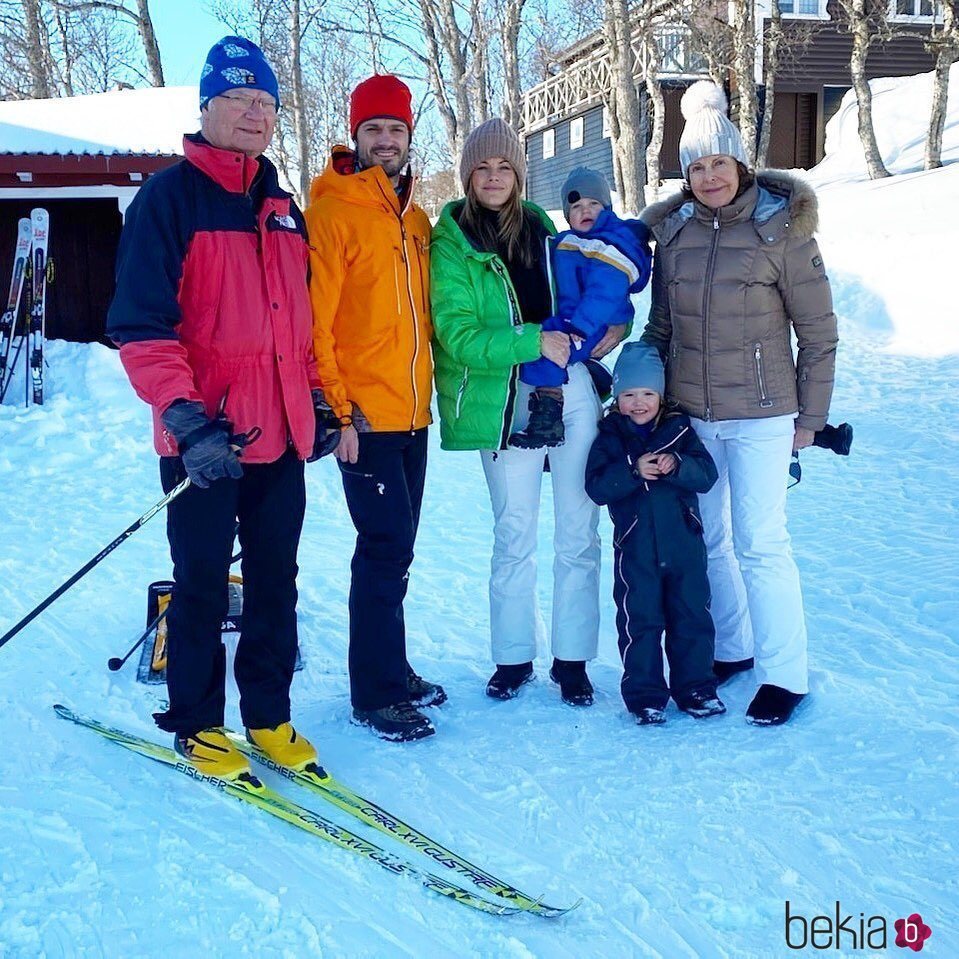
[(684, 841)]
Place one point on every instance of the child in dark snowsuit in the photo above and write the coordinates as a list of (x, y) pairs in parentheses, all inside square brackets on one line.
[(647, 465), (596, 265)]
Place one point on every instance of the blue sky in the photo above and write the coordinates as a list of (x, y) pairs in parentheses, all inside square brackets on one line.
[(185, 32)]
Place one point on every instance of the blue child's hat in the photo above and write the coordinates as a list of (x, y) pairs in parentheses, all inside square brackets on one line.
[(236, 62), (638, 367)]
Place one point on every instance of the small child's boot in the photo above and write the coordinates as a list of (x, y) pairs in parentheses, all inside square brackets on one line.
[(545, 426)]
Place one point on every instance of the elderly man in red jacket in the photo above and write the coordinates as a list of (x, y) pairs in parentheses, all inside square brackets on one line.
[(212, 316)]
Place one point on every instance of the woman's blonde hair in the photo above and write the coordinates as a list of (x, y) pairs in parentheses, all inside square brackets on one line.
[(512, 229)]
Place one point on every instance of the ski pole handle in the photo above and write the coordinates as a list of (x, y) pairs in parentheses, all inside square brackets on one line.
[(115, 663), (80, 573)]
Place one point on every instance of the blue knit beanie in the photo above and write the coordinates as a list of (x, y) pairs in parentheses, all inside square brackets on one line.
[(584, 182), (638, 367), (236, 62)]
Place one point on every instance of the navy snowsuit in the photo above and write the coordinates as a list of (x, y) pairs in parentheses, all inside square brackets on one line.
[(659, 557), (594, 274)]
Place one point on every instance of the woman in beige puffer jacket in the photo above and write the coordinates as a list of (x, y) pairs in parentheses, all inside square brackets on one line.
[(736, 273)]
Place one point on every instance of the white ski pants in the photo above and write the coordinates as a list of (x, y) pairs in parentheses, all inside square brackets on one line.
[(514, 478), (757, 603)]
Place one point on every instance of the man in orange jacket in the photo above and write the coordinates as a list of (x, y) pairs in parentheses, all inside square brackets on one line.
[(371, 332)]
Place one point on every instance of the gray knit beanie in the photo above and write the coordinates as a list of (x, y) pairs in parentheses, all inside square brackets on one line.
[(583, 182), (708, 131), (638, 367), (494, 138)]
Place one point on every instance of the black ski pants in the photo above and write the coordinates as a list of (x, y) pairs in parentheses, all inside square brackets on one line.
[(268, 503), (654, 595), (384, 492)]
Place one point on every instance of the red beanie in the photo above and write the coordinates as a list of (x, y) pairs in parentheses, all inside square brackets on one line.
[(382, 95)]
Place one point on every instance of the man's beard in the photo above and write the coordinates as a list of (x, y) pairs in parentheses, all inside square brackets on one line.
[(392, 166)]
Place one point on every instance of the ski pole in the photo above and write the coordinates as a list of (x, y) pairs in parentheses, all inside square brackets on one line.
[(114, 662), (80, 573)]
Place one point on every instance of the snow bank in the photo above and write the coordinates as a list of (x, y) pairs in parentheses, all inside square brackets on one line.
[(900, 107)]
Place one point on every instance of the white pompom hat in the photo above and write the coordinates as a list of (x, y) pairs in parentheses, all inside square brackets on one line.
[(708, 131)]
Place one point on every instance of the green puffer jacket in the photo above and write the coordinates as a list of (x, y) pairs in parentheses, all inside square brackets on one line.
[(479, 338)]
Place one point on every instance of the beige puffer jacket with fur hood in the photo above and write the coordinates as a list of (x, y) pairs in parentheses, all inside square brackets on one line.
[(728, 286)]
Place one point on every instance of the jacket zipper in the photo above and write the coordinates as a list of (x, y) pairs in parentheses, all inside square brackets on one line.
[(549, 276), (409, 289), (462, 390), (514, 320), (764, 401), (707, 290)]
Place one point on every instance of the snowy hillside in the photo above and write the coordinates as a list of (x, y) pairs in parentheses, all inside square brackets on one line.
[(684, 842)]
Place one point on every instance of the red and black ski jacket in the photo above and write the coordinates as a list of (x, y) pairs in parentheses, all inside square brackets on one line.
[(212, 299)]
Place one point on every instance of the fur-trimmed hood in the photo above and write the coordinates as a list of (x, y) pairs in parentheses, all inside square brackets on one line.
[(784, 201)]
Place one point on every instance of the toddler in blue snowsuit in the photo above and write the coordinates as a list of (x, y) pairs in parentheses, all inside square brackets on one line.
[(647, 465), (597, 264)]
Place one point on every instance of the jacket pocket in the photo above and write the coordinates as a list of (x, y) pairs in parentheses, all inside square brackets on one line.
[(759, 365), (462, 390)]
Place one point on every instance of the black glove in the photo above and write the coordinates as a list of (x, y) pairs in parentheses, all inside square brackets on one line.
[(327, 435), (204, 443)]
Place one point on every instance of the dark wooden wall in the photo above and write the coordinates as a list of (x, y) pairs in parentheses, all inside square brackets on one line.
[(544, 178), (84, 235)]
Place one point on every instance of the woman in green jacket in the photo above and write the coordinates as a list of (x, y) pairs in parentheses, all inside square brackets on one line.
[(490, 293)]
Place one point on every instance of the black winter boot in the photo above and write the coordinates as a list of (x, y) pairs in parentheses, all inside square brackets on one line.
[(649, 716), (505, 683), (772, 706), (400, 723), (574, 684), (423, 693), (545, 426), (724, 671), (702, 703)]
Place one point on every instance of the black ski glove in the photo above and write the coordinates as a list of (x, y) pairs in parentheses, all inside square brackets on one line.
[(204, 443), (327, 435)]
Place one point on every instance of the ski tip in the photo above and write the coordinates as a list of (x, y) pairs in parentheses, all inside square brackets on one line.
[(63, 712)]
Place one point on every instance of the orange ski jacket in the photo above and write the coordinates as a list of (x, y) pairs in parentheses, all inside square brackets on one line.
[(369, 287)]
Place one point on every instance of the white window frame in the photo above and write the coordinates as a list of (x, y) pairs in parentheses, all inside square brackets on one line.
[(934, 17), (549, 143), (820, 13), (577, 132), (607, 124)]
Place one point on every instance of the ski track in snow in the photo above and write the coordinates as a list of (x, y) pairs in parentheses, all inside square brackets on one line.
[(683, 841)]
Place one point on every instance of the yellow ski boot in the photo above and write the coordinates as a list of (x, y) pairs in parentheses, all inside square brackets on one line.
[(211, 753), (284, 746)]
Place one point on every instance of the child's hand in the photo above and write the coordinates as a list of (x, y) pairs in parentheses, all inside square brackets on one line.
[(647, 466), (667, 463)]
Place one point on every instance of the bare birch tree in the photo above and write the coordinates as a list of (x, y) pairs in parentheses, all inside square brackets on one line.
[(744, 65), (35, 50), (772, 48), (866, 21), (625, 109), (658, 111), (139, 16), (944, 45)]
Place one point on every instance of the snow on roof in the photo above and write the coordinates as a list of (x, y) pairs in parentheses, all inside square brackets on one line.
[(150, 121)]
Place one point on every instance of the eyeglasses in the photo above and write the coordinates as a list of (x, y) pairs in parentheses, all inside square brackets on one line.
[(245, 104), (795, 471)]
